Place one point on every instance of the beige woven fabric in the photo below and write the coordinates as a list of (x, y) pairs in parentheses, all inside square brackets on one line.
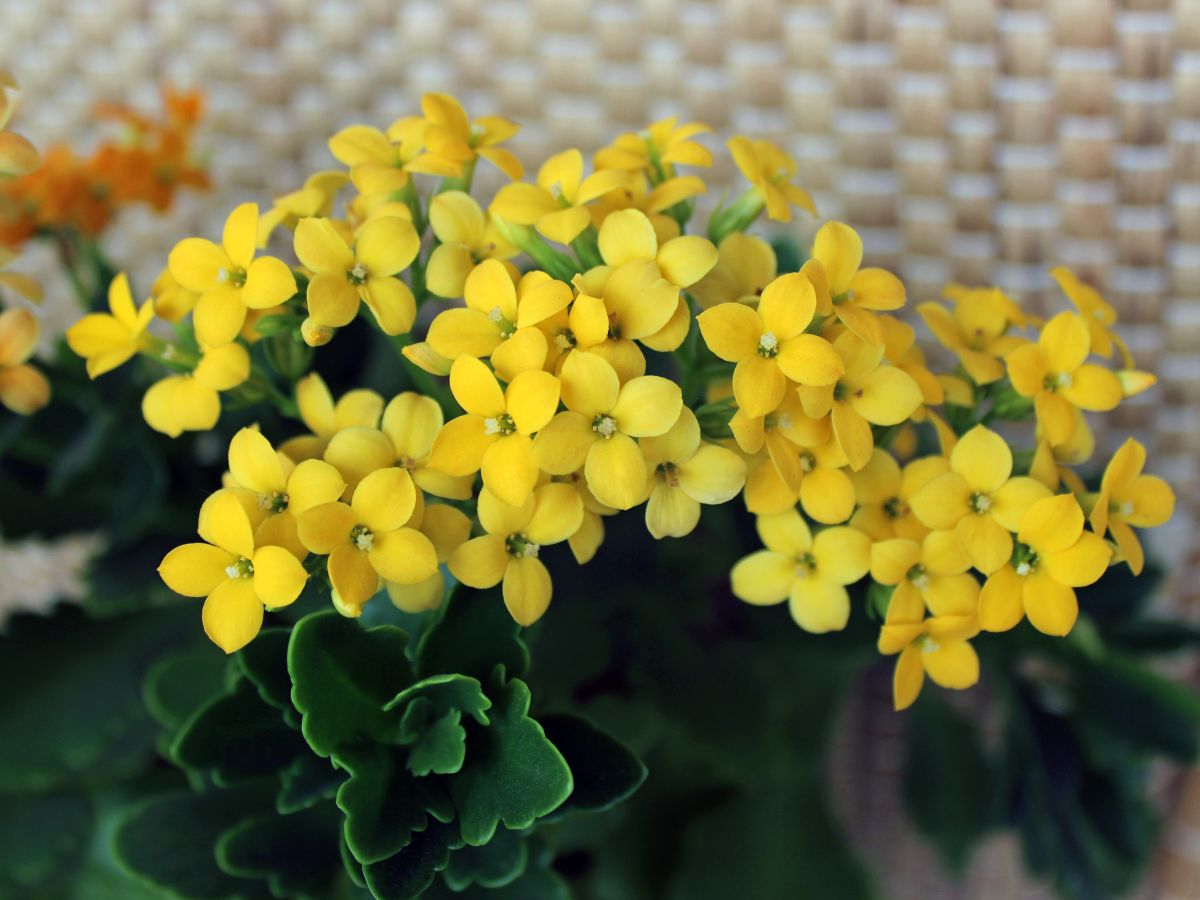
[(975, 140)]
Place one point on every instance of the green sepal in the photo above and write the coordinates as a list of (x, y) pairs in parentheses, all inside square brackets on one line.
[(297, 855), (512, 774), (236, 738), (384, 803), (168, 842), (500, 861), (604, 770), (473, 634), (342, 675), (408, 873)]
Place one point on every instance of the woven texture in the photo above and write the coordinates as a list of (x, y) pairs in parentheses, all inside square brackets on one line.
[(973, 140)]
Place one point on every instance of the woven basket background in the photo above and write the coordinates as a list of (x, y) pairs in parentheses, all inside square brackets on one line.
[(974, 140)]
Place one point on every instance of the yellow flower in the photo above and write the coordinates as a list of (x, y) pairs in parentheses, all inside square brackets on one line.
[(770, 345), (283, 491), (412, 422), (935, 569), (868, 393), (1128, 498), (629, 235), (466, 238), (447, 529), (172, 301), (901, 350), (453, 136), (315, 199), (588, 537), (746, 264), (23, 389), (18, 281), (937, 646), (884, 493), (510, 549), (345, 275), (685, 473), (366, 540), (107, 340), (597, 430), (17, 155), (1052, 557), (237, 576), (557, 205), (228, 278), (180, 403), (499, 319), (978, 498), (975, 331), (324, 418), (770, 172), (1097, 313), (657, 149), (496, 434), (810, 573), (1054, 373), (856, 293)]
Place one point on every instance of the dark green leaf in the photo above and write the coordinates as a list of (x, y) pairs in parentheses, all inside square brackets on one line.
[(440, 746), (948, 783), (474, 634), (342, 675), (42, 840), (432, 710), (513, 774), (446, 692), (237, 737), (384, 803), (297, 854), (539, 885), (264, 662), (498, 862), (179, 684), (307, 780), (409, 872), (169, 842), (603, 769)]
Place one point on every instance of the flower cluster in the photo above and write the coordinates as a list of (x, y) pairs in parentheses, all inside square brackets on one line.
[(603, 354)]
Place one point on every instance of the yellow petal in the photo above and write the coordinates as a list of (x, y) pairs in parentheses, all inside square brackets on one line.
[(843, 554), (891, 560), (218, 316), (587, 540), (628, 234), (455, 332), (196, 264), (332, 300), (232, 614), (564, 225), (952, 597), (886, 396), (562, 445), (391, 303), (383, 500), (502, 518), (447, 270), (787, 305), (986, 542), (1027, 369), (269, 282), (356, 452), (459, 447), (411, 422), (983, 459), (1013, 499), (403, 556), (23, 389), (907, 678), (810, 360), (713, 475), (670, 512), (387, 245), (557, 514), (480, 562), (542, 301), (316, 405), (590, 385), (877, 289), (1094, 388), (616, 471), (224, 523), (819, 605), (1065, 342), (420, 597), (1056, 417), (326, 527), (785, 533), (1080, 564), (254, 463), (731, 331), (1052, 524), (646, 406), (853, 434), (879, 480), (763, 578), (532, 399), (942, 501), (1001, 606), (527, 590), (223, 368), (839, 249), (678, 444), (321, 247), (1052, 607), (446, 527), (827, 495), (195, 570), (1153, 501), (352, 575), (685, 260), (952, 664), (509, 468), (475, 388), (278, 576), (456, 218)]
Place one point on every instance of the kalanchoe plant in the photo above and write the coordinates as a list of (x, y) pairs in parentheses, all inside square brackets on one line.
[(605, 357)]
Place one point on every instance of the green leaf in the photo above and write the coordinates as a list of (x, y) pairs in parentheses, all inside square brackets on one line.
[(948, 783), (264, 662), (445, 692), (307, 780), (182, 682), (538, 885), (498, 862), (440, 746), (513, 774), (603, 769), (342, 675), (43, 838), (384, 803), (432, 711), (169, 841), (297, 854), (70, 694), (237, 737), (409, 872), (780, 842), (474, 634)]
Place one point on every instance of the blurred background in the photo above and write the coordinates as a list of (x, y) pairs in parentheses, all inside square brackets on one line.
[(969, 140)]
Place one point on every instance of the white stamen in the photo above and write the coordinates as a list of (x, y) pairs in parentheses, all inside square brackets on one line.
[(930, 645), (168, 352), (224, 275), (783, 421), (768, 343), (232, 571), (1063, 379), (491, 426), (531, 550), (1024, 568), (983, 503), (365, 541), (1125, 509), (921, 582), (562, 342), (495, 314), (606, 427)]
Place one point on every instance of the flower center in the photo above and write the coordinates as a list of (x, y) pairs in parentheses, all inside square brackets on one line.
[(768, 345), (1024, 559), (808, 462), (565, 340), (1122, 509), (507, 329), (605, 426), (980, 503), (918, 577), (1054, 382), (235, 277), (894, 508), (929, 645), (273, 503), (669, 473), (243, 568), (357, 275), (406, 462), (362, 537), (501, 425), (806, 564), (519, 546), (614, 327)]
